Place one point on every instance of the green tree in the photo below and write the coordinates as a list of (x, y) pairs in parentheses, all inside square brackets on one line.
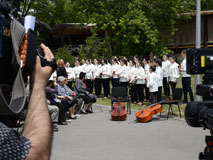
[(130, 27), (133, 26), (51, 12), (65, 54)]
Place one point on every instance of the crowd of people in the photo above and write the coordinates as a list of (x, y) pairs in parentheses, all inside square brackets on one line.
[(65, 104), (71, 88), (145, 77), (69, 95)]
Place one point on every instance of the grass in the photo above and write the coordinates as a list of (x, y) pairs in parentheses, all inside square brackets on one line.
[(107, 102)]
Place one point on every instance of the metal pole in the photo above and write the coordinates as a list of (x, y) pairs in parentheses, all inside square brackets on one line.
[(198, 40)]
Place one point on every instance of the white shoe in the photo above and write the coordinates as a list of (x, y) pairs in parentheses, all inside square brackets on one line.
[(78, 115)]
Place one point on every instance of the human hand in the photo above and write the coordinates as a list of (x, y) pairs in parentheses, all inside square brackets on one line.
[(41, 75), (63, 97), (48, 102), (70, 98)]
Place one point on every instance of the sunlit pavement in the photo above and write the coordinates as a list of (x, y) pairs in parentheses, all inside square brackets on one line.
[(96, 137)]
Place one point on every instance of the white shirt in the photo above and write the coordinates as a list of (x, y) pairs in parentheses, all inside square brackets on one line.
[(173, 72), (96, 70), (183, 69), (146, 68), (88, 71), (131, 74), (70, 73), (53, 76), (114, 70), (159, 72), (77, 70), (83, 67), (123, 73), (165, 66), (140, 75), (104, 71), (152, 82)]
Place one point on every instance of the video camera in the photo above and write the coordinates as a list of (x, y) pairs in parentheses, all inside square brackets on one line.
[(200, 114), (18, 51)]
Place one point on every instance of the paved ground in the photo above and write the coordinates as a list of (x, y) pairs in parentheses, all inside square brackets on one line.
[(96, 137)]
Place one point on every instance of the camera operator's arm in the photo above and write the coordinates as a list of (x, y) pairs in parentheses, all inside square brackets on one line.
[(37, 126)]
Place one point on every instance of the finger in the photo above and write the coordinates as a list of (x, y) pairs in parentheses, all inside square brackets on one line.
[(46, 52), (51, 54), (38, 61)]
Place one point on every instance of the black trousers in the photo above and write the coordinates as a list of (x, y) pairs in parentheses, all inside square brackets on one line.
[(166, 87), (79, 105), (173, 86), (62, 112), (115, 82), (186, 84), (105, 84), (123, 84), (147, 93), (133, 92), (98, 87), (140, 92), (87, 99), (89, 84), (159, 97), (69, 84), (68, 103), (153, 96)]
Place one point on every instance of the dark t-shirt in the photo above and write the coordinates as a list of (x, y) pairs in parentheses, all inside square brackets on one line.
[(61, 72), (13, 146)]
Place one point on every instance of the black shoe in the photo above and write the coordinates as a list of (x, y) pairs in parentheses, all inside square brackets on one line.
[(73, 117), (88, 111), (55, 128), (63, 123), (82, 112)]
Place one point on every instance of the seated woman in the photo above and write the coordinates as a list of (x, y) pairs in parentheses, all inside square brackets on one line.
[(51, 93), (66, 97), (81, 90)]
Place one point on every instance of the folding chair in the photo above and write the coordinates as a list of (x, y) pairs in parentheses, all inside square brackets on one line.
[(120, 94), (176, 100)]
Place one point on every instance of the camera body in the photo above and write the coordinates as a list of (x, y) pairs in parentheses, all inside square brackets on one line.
[(14, 66), (200, 114), (200, 61)]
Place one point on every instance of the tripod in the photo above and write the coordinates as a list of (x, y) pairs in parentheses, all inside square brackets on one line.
[(208, 151)]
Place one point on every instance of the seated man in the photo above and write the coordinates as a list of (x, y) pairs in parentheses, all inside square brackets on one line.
[(80, 88), (54, 112)]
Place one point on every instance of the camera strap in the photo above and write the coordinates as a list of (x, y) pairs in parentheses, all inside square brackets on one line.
[(1, 32), (18, 96)]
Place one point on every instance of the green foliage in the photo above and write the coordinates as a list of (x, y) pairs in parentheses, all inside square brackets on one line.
[(134, 25), (51, 12), (91, 49), (65, 54), (207, 4), (131, 27), (95, 47)]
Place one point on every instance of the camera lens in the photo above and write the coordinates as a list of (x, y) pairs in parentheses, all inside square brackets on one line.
[(192, 114)]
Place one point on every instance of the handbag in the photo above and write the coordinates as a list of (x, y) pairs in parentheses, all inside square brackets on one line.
[(92, 96)]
